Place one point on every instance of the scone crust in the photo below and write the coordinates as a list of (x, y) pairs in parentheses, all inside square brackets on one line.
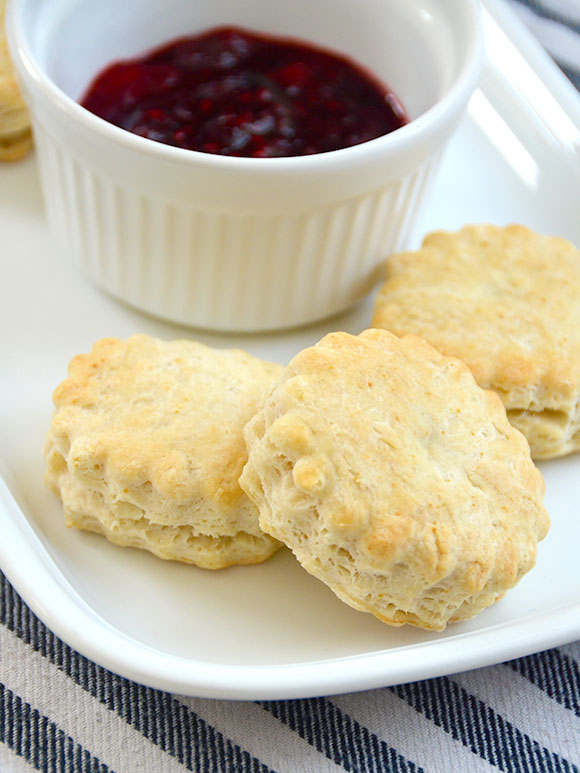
[(146, 447), (505, 301), (15, 133), (395, 479)]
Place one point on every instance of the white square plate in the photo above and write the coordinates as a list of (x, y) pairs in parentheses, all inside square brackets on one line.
[(272, 631)]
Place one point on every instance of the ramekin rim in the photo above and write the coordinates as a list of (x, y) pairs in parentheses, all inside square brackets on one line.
[(429, 122)]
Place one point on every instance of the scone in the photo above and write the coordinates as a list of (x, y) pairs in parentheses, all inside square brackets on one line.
[(146, 447), (15, 134), (506, 301), (395, 479)]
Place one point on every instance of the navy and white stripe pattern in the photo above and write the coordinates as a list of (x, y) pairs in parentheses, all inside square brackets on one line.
[(556, 24), (60, 713)]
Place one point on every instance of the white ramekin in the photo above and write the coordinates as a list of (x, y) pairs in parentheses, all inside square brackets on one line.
[(233, 243)]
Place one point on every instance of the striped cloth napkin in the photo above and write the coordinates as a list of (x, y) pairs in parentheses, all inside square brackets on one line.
[(61, 713), (556, 24)]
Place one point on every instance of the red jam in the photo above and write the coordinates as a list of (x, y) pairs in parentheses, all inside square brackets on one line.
[(236, 93)]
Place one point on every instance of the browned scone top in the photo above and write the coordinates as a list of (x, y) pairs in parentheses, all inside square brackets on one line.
[(505, 301), (395, 479), (146, 447)]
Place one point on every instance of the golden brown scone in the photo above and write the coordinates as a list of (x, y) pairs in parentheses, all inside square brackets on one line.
[(15, 134), (395, 479), (506, 302), (146, 447)]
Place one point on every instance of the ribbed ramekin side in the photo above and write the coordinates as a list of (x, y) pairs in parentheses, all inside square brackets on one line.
[(221, 270)]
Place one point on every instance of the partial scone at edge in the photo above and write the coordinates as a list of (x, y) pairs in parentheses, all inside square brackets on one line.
[(505, 301), (395, 479), (15, 131), (146, 447)]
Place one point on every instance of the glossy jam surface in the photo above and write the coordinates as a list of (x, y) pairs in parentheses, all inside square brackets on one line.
[(236, 93)]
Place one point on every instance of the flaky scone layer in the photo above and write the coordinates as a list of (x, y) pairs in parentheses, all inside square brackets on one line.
[(146, 447), (505, 301), (395, 479)]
